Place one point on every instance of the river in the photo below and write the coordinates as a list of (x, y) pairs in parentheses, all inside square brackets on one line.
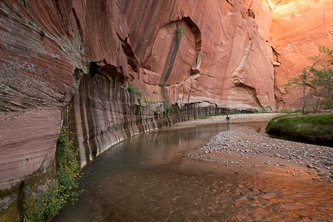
[(145, 178)]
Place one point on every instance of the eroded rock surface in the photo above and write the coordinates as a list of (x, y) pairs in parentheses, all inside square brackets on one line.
[(125, 67), (298, 29), (174, 52)]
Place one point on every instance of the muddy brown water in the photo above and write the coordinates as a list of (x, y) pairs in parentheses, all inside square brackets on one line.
[(145, 178)]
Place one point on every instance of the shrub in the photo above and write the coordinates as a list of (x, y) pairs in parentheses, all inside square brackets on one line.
[(135, 91), (139, 101), (167, 110), (130, 88), (44, 205)]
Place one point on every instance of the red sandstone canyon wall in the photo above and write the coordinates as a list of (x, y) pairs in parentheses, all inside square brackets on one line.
[(213, 62), (196, 57), (298, 29), (121, 67)]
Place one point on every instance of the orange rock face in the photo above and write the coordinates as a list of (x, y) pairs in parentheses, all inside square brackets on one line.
[(298, 28), (131, 66), (209, 53), (222, 57)]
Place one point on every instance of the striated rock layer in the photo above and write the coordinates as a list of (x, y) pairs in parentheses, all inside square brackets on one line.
[(298, 28), (125, 67)]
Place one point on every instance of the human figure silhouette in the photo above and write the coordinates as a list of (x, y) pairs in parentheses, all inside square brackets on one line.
[(227, 118)]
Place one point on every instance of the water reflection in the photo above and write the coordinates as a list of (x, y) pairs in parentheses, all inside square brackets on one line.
[(146, 179)]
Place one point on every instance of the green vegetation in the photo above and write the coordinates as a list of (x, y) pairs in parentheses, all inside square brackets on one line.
[(135, 91), (139, 108), (181, 31), (39, 206), (316, 129), (167, 110), (18, 191), (316, 81), (130, 88), (10, 214), (139, 101)]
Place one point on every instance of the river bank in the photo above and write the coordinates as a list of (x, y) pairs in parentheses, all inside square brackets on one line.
[(237, 118), (178, 174), (254, 152)]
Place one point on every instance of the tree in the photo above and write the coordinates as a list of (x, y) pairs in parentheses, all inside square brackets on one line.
[(316, 80), (323, 80)]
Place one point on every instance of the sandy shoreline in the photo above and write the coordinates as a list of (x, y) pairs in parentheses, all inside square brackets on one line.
[(251, 151), (191, 175), (238, 118)]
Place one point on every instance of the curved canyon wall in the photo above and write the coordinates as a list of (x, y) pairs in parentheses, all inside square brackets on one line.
[(118, 68), (298, 28)]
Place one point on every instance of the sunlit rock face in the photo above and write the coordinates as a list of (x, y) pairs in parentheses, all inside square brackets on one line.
[(262, 12), (298, 28), (194, 55), (222, 57)]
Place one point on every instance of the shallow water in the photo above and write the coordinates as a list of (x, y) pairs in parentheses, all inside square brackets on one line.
[(145, 178)]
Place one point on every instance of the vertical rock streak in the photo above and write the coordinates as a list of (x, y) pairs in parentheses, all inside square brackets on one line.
[(56, 53)]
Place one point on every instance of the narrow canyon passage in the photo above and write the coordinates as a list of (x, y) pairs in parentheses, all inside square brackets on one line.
[(145, 178), (104, 71)]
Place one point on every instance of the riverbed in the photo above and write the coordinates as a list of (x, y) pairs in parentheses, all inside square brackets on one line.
[(189, 173)]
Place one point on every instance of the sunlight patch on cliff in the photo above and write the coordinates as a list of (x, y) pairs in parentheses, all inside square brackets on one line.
[(295, 7)]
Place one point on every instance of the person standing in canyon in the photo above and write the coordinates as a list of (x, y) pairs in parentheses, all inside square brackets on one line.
[(227, 118)]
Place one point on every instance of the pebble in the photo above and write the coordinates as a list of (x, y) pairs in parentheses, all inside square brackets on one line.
[(249, 145), (310, 166)]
